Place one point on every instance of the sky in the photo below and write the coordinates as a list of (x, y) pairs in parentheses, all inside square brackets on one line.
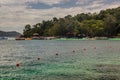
[(15, 14)]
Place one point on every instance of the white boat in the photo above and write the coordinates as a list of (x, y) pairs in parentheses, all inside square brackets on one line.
[(11, 38), (3, 38)]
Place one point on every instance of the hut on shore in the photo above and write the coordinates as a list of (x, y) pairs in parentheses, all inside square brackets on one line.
[(35, 36)]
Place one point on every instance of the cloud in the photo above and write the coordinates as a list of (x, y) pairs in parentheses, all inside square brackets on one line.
[(52, 2), (15, 14), (48, 2)]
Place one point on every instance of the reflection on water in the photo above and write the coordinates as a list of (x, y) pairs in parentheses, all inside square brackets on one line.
[(75, 60)]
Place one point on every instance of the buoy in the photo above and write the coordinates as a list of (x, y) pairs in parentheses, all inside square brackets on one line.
[(56, 54), (38, 58), (110, 46), (94, 47), (84, 49), (73, 51), (17, 64)]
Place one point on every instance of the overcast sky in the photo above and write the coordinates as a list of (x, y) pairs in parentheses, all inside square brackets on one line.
[(15, 14)]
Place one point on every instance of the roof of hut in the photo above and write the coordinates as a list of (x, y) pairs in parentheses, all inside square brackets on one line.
[(35, 34)]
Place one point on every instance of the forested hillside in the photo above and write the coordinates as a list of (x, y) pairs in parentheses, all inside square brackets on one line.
[(9, 34), (106, 23)]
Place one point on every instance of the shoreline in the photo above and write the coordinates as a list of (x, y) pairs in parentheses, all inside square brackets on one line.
[(95, 38)]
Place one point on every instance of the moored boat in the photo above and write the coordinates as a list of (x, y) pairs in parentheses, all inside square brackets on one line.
[(20, 38), (28, 38), (3, 38)]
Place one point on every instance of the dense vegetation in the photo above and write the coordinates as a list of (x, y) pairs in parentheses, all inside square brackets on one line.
[(106, 23)]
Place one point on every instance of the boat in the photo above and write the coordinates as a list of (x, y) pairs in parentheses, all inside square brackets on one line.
[(28, 38), (3, 38), (11, 38), (20, 39)]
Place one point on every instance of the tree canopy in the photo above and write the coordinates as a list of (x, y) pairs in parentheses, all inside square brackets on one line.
[(106, 23)]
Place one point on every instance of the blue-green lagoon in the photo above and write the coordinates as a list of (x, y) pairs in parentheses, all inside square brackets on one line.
[(75, 60)]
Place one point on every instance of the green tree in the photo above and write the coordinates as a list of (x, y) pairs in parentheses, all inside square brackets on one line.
[(27, 31), (92, 27), (105, 23), (110, 25), (83, 16)]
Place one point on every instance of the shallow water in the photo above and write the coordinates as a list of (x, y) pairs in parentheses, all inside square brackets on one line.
[(76, 60)]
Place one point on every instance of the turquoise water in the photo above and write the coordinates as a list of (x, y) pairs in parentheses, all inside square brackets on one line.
[(76, 60)]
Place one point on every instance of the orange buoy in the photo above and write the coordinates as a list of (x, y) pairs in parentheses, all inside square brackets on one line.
[(56, 54), (94, 47), (73, 51), (84, 49), (38, 58), (17, 64), (110, 46)]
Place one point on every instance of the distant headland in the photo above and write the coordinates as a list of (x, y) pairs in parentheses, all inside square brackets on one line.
[(9, 34)]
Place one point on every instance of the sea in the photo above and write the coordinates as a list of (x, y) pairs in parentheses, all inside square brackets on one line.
[(59, 60)]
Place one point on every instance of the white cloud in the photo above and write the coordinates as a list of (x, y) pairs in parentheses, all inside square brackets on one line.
[(51, 2), (48, 2), (15, 15)]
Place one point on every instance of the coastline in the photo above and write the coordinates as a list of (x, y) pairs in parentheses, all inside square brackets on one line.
[(54, 38)]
